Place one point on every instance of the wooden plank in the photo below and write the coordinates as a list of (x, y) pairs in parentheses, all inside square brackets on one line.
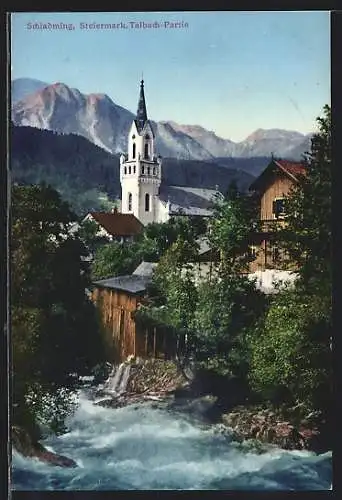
[(164, 343), (154, 342), (146, 337)]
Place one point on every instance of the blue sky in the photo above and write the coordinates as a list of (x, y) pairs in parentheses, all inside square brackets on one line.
[(231, 72)]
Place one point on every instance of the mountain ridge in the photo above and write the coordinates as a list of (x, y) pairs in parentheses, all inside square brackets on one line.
[(99, 119)]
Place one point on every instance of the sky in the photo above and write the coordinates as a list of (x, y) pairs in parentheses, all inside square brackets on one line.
[(230, 72)]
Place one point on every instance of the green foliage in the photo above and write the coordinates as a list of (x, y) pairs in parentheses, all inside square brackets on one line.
[(175, 283), (234, 223), (54, 326), (88, 233), (291, 351), (214, 314), (290, 355), (114, 259), (227, 311), (157, 238), (307, 237)]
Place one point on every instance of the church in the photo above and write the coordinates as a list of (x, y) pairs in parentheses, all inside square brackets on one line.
[(143, 193)]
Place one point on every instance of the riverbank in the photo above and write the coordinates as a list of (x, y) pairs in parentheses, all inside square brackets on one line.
[(23, 443), (148, 446), (164, 384), (285, 427)]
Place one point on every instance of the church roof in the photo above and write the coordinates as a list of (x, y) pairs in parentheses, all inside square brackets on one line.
[(141, 117), (188, 200), (118, 224)]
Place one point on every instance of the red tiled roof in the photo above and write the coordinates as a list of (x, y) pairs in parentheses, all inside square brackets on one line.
[(292, 168), (118, 224)]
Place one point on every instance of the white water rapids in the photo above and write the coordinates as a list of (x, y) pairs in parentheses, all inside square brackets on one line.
[(117, 381), (149, 447)]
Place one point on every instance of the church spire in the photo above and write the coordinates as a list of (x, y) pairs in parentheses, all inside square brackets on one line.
[(141, 112)]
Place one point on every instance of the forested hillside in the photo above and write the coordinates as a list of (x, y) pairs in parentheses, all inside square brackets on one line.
[(88, 177)]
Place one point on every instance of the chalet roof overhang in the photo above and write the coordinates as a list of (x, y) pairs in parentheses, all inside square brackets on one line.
[(292, 170)]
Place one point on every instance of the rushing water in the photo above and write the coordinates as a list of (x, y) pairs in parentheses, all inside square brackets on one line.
[(143, 447), (117, 381)]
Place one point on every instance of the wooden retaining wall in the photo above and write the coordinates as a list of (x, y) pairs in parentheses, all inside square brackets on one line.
[(123, 336)]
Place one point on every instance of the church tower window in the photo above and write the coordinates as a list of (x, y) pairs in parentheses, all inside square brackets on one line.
[(129, 202), (133, 154), (133, 169), (143, 169), (130, 169), (147, 202), (146, 151), (154, 171), (148, 170), (125, 170)]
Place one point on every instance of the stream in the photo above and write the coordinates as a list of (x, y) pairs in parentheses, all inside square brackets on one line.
[(149, 446)]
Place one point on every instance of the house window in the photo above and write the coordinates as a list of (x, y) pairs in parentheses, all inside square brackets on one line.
[(146, 151), (129, 202), (130, 169), (147, 202), (253, 251), (278, 208), (133, 154)]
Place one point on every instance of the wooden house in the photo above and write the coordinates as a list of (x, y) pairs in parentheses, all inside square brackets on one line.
[(117, 299), (271, 188)]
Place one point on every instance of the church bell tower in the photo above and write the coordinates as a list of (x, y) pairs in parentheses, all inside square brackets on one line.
[(140, 168)]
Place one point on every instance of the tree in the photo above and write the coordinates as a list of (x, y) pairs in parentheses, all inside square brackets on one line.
[(88, 233), (290, 353), (231, 230), (217, 313), (307, 237), (54, 326), (115, 259), (157, 238)]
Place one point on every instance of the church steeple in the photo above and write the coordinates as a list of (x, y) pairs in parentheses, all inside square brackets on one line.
[(141, 118), (140, 168)]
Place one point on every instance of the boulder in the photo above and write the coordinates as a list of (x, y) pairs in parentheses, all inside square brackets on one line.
[(23, 443)]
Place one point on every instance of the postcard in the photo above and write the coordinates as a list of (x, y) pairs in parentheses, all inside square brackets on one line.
[(170, 251)]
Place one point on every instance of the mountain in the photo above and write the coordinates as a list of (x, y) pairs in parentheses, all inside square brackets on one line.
[(65, 110), (284, 143), (214, 145), (97, 118), (22, 87), (89, 177)]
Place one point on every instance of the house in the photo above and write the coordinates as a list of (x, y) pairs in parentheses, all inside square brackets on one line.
[(117, 299), (271, 188), (143, 194), (116, 226)]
